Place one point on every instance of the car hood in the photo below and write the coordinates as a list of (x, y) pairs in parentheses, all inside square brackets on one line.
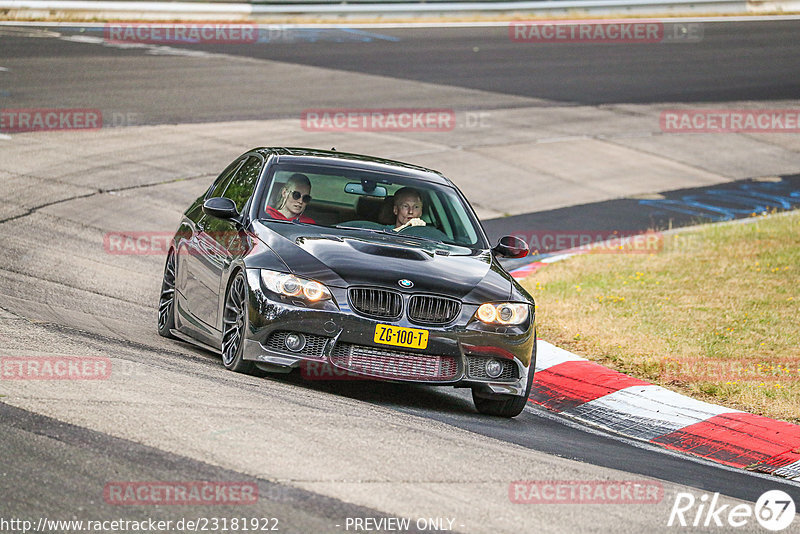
[(342, 258)]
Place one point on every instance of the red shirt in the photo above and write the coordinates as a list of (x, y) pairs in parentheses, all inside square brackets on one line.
[(275, 214)]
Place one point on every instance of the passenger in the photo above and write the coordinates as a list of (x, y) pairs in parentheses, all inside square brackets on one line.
[(407, 208), (294, 199)]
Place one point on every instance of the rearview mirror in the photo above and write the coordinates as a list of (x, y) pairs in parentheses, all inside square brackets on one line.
[(511, 247), (221, 208), (365, 188)]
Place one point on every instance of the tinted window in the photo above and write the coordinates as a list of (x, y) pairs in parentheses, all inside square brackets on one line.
[(241, 187), (217, 189)]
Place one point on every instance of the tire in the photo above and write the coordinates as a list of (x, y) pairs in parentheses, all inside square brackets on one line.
[(506, 405), (166, 300), (234, 325)]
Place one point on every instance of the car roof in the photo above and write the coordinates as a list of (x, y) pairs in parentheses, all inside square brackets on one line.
[(345, 159)]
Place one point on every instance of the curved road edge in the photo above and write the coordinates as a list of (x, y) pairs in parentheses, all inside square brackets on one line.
[(592, 394)]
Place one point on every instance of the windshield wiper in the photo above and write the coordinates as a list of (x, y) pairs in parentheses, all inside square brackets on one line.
[(290, 221), (431, 239), (392, 233)]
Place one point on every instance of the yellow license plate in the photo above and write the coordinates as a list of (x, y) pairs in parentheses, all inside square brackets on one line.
[(413, 338)]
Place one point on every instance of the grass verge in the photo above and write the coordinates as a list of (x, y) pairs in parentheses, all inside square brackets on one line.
[(714, 315)]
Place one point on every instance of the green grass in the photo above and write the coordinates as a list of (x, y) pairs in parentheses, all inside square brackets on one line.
[(714, 314)]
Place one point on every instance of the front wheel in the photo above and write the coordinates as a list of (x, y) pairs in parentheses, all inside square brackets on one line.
[(506, 405), (166, 301), (234, 324)]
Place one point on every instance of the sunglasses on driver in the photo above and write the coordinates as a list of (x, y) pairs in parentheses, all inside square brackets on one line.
[(297, 196)]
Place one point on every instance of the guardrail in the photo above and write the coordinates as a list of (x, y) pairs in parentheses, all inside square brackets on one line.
[(134, 10), (507, 7)]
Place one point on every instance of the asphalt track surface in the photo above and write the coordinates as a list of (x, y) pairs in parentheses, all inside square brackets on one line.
[(734, 61), (745, 61), (53, 468)]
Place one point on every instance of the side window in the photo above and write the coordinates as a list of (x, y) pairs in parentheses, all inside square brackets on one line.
[(218, 187), (241, 187)]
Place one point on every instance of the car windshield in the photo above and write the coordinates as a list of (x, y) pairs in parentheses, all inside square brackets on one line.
[(348, 199)]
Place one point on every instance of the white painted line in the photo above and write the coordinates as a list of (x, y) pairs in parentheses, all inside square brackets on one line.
[(557, 257), (3, 69), (568, 138), (789, 471), (548, 355), (152, 49), (646, 411), (83, 39), (5, 137), (544, 413)]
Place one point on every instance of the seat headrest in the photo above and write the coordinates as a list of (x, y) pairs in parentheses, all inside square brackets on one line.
[(377, 209)]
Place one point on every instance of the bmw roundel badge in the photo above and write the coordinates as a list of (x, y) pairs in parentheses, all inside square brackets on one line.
[(406, 283)]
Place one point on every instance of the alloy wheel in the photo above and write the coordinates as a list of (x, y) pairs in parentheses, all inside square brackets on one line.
[(166, 302), (233, 320)]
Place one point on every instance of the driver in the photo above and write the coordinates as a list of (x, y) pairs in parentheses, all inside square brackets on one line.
[(294, 199), (407, 208)]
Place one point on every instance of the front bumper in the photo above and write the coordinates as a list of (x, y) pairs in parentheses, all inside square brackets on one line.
[(338, 338)]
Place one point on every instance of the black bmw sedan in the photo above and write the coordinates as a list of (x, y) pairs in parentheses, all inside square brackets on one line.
[(297, 257)]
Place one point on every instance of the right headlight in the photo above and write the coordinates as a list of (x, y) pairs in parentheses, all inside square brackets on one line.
[(290, 285), (505, 313)]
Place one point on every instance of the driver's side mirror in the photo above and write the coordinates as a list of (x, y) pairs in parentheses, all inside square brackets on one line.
[(511, 247), (221, 208)]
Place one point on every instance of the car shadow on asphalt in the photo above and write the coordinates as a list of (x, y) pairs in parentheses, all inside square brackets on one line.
[(397, 395)]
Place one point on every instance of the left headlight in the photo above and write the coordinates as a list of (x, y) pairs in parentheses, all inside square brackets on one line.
[(505, 313), (289, 285)]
